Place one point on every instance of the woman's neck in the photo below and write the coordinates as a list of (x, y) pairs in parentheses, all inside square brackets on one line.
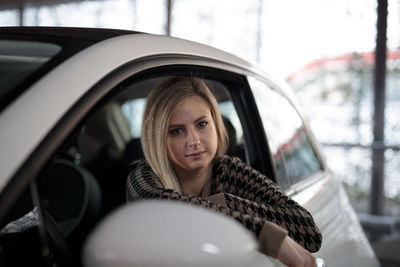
[(193, 182)]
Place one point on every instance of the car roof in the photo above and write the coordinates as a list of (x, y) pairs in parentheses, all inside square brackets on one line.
[(92, 35)]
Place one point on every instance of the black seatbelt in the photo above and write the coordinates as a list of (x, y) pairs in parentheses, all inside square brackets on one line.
[(46, 252), (48, 230)]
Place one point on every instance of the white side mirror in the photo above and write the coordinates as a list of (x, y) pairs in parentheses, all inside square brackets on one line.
[(170, 234)]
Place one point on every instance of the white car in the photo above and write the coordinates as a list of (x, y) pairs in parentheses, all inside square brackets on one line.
[(71, 109)]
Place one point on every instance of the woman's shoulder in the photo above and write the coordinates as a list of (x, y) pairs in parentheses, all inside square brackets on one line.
[(142, 182), (142, 171), (233, 166), (226, 160), (140, 166)]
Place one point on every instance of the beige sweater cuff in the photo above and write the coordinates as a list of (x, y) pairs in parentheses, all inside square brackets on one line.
[(271, 238), (218, 198), (271, 235)]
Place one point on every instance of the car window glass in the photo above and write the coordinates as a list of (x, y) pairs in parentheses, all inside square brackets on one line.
[(133, 111), (19, 59), (228, 111), (292, 151)]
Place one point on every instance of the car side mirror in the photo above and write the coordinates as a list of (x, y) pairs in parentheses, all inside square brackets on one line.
[(170, 234)]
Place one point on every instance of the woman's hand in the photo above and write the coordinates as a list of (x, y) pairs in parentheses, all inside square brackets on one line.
[(293, 255)]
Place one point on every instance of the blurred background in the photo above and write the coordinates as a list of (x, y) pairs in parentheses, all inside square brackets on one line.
[(324, 48)]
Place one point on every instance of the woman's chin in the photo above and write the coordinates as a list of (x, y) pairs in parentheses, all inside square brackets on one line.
[(198, 164)]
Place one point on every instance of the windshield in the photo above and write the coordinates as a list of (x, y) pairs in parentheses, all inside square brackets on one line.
[(19, 60)]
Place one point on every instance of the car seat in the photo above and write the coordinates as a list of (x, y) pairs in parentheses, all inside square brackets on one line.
[(234, 149), (71, 196), (69, 206), (70, 199)]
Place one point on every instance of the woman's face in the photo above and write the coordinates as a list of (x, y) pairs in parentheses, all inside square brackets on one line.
[(192, 138)]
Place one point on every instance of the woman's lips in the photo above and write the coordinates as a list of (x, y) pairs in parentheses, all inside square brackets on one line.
[(196, 155)]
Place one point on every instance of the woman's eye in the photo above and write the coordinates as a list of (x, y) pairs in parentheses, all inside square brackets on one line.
[(202, 124), (176, 131)]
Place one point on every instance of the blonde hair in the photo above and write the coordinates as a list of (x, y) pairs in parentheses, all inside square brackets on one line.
[(160, 103)]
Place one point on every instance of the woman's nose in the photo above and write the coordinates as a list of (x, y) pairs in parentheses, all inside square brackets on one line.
[(193, 138)]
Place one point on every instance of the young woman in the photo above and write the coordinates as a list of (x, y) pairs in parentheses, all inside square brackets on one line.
[(184, 140)]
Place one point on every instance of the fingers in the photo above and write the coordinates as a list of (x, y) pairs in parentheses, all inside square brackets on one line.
[(293, 255)]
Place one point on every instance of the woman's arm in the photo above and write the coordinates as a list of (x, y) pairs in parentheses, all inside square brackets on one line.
[(296, 220), (248, 191)]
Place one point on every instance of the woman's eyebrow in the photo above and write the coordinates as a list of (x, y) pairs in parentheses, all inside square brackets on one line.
[(176, 125), (200, 118)]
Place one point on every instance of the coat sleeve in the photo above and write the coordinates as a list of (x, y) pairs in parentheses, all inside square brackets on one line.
[(142, 183), (248, 191)]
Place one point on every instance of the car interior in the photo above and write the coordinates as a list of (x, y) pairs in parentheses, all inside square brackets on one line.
[(85, 179)]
